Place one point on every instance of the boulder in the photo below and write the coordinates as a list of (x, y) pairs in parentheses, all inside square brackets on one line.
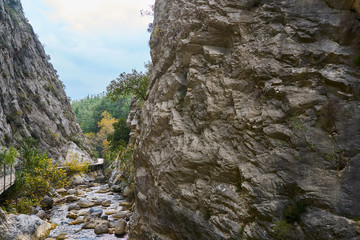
[(120, 215), (73, 207), (71, 192), (48, 202), (42, 214), (103, 190), (106, 203), (94, 213), (77, 221), (71, 198), (72, 215), (128, 192), (61, 191), (22, 227), (120, 227), (85, 203), (101, 229)]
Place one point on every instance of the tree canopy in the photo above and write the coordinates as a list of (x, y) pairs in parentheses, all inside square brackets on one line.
[(128, 84)]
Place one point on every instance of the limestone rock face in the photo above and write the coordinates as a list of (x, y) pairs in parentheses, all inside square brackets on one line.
[(33, 102), (251, 125)]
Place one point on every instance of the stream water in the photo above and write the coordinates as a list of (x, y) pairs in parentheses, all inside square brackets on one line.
[(65, 230)]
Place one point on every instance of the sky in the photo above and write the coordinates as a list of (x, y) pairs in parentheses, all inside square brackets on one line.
[(91, 42)]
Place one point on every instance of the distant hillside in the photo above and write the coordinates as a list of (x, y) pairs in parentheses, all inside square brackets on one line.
[(88, 110)]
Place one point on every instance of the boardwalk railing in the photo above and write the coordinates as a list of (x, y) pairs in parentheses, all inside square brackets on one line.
[(7, 177)]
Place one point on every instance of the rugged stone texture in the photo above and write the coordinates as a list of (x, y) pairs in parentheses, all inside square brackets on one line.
[(22, 227), (251, 119), (32, 99)]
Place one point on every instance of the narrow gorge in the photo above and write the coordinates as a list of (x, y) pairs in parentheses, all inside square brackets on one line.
[(249, 130)]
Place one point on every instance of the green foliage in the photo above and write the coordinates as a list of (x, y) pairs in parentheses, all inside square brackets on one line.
[(88, 110), (120, 136), (297, 125), (282, 229), (293, 210), (8, 157), (38, 175), (128, 84), (75, 165), (125, 164)]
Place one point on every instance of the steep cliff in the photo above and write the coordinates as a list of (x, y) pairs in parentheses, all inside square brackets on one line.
[(33, 101), (251, 125)]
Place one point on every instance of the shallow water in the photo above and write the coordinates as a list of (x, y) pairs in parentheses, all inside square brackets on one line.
[(59, 212)]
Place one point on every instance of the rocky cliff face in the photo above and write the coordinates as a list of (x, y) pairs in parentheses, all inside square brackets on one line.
[(33, 101), (251, 126)]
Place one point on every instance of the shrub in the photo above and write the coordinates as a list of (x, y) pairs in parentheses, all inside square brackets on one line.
[(73, 164), (126, 162), (36, 180), (8, 157), (38, 175), (293, 210), (282, 229)]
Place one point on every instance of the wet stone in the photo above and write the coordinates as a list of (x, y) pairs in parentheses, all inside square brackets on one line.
[(85, 203), (106, 203), (90, 223), (120, 215), (73, 207), (71, 192), (101, 229)]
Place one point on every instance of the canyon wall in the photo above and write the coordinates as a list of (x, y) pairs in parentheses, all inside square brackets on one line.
[(251, 125), (33, 100)]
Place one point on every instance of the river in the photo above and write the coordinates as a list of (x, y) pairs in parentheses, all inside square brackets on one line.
[(95, 197)]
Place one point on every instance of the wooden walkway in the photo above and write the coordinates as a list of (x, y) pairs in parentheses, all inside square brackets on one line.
[(7, 181)]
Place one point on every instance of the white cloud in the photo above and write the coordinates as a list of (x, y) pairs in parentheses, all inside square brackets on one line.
[(91, 41), (98, 16)]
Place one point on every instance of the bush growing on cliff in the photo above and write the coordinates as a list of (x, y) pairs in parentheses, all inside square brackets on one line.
[(36, 178), (8, 156), (75, 165), (127, 84), (125, 163)]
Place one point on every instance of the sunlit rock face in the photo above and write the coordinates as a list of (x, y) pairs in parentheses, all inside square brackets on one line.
[(33, 101), (251, 126)]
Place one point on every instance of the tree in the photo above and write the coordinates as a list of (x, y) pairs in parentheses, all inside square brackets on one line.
[(127, 84), (8, 157), (120, 136)]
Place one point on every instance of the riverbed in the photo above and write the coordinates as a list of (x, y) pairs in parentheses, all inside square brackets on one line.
[(70, 223)]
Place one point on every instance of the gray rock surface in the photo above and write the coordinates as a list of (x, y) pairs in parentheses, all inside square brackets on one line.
[(42, 215), (33, 100), (22, 227), (85, 203), (251, 123)]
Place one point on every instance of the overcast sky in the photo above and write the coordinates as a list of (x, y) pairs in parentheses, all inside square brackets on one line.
[(91, 41)]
